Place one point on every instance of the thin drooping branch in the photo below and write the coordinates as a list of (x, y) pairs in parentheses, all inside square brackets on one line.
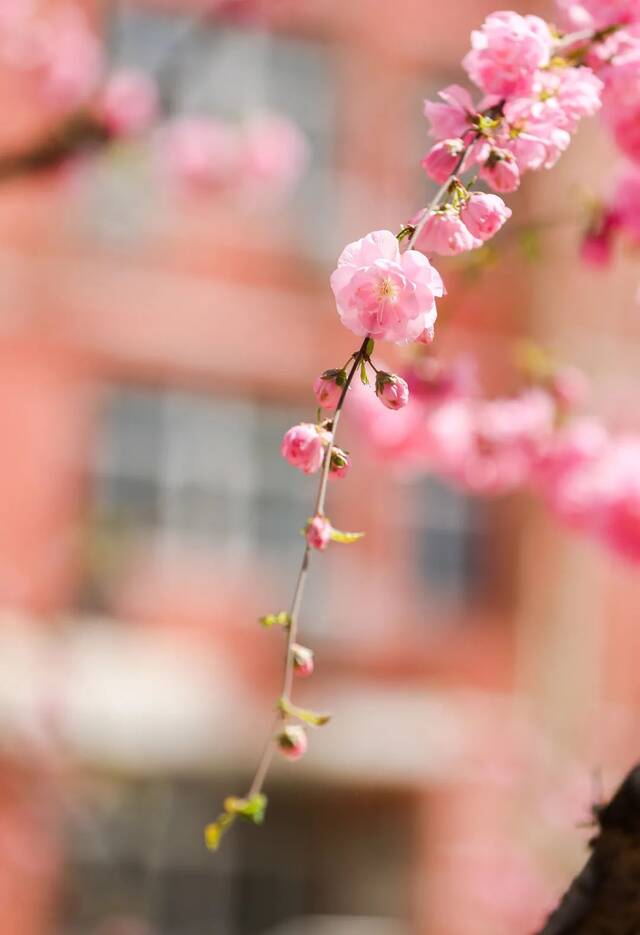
[(296, 600), (78, 134)]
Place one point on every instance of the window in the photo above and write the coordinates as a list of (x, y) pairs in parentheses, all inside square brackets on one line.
[(325, 861), (450, 534), (184, 468), (208, 67)]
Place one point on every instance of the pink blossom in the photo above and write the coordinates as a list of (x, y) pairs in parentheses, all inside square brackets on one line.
[(128, 103), (453, 117), (274, 152), (303, 447), (441, 160), (292, 742), (507, 52), (199, 152), (445, 233), (564, 464), (340, 463), (383, 293), (597, 14), (318, 533), (302, 660), (391, 390), (596, 246), (624, 211), (626, 133), (501, 171), (66, 57), (484, 215), (328, 388), (490, 446), (563, 96)]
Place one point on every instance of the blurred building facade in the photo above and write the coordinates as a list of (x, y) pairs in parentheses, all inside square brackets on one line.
[(153, 349)]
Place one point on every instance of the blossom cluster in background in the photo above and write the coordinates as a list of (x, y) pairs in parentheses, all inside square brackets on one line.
[(539, 440), (58, 55)]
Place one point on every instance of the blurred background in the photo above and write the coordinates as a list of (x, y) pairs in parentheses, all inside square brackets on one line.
[(480, 662)]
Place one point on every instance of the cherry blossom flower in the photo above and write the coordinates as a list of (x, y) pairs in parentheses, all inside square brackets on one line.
[(442, 159), (328, 388), (392, 390), (303, 447), (445, 233), (483, 215), (452, 117), (383, 293), (507, 52), (501, 171)]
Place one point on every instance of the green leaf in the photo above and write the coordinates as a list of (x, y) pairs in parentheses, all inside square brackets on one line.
[(281, 619), (303, 714), (252, 809), (345, 537), (369, 346), (363, 373)]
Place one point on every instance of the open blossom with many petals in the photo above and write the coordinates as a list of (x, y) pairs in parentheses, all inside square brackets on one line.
[(442, 159), (563, 96), (507, 52), (453, 116), (445, 233), (303, 447), (383, 293), (484, 215)]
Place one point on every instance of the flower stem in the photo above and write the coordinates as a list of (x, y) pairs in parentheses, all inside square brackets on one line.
[(296, 601)]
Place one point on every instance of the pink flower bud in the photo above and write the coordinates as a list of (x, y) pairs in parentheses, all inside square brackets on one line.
[(391, 390), (441, 160), (292, 742), (501, 171), (484, 215), (303, 447), (427, 336), (340, 463), (302, 660), (328, 388), (318, 532), (445, 233), (128, 103)]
